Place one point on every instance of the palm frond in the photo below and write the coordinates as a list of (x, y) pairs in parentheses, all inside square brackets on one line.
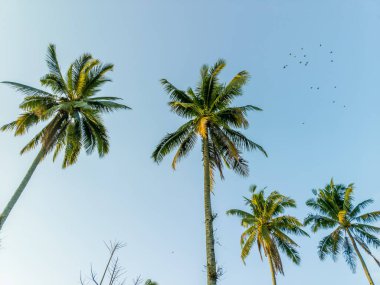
[(99, 134), (231, 90), (172, 140), (106, 106), (359, 207), (73, 143), (184, 148), (54, 68), (330, 245), (55, 83), (246, 249), (368, 217), (366, 249), (84, 75), (174, 93), (27, 90), (77, 68), (239, 213), (319, 222), (289, 250), (96, 78), (349, 254)]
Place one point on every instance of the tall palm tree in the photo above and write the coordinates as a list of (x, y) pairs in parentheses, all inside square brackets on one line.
[(268, 228), (335, 210), (211, 117), (72, 110)]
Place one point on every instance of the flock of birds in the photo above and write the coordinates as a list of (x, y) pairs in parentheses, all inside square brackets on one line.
[(303, 60)]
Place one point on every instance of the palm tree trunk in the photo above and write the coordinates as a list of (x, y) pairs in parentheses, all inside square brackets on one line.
[(4, 215), (210, 251), (361, 259), (274, 282)]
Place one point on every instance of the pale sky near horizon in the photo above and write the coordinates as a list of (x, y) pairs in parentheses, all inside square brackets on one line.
[(58, 227)]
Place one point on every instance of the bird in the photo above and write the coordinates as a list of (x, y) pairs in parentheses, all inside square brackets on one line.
[(344, 106), (320, 45), (290, 53), (331, 52), (304, 55), (303, 123), (333, 101), (318, 88), (284, 66), (295, 56), (331, 60), (301, 48), (306, 63), (300, 62), (335, 87), (311, 87)]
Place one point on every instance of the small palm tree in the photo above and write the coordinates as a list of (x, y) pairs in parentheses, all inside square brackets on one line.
[(335, 210), (72, 110), (212, 118), (268, 228), (150, 282)]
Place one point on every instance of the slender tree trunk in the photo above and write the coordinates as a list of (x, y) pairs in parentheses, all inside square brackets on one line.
[(108, 264), (4, 215), (210, 251), (274, 282), (361, 259)]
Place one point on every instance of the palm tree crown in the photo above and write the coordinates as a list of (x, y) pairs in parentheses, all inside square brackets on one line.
[(150, 282), (335, 210), (71, 107), (210, 115), (268, 228)]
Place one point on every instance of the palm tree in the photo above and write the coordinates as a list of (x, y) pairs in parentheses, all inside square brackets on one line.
[(268, 228), (210, 116), (335, 210), (72, 110), (150, 282)]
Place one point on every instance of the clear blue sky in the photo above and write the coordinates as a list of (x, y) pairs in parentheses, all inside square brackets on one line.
[(58, 226)]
